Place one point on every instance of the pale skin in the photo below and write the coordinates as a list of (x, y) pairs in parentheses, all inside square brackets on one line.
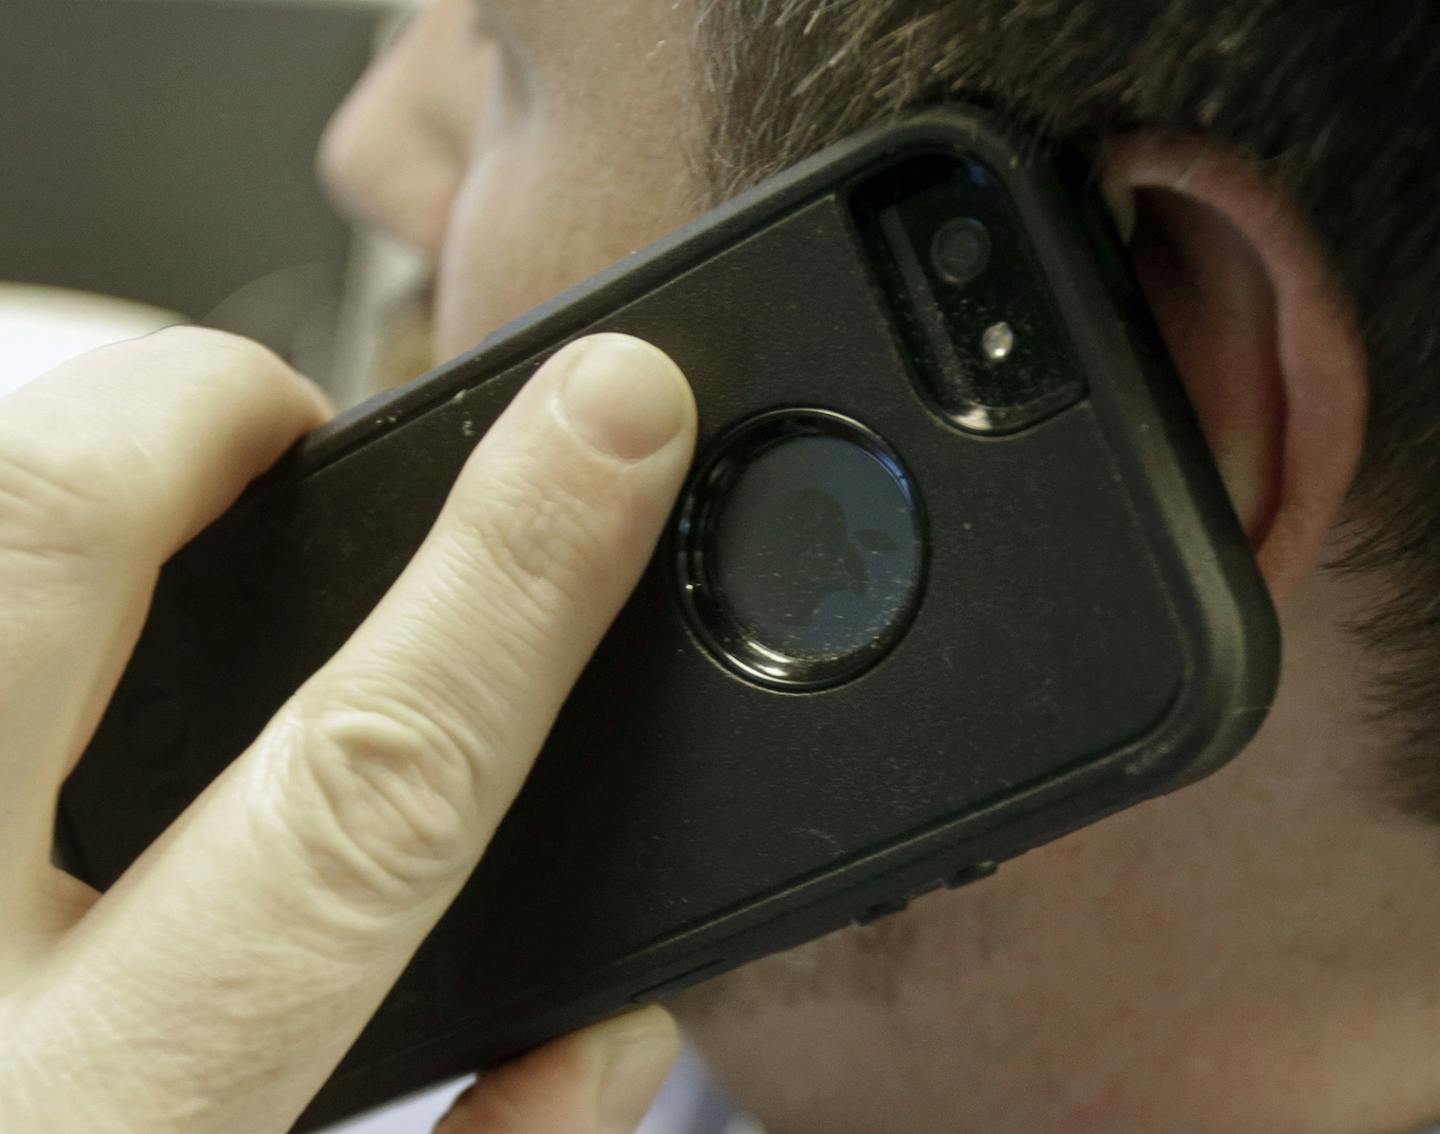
[(1254, 953)]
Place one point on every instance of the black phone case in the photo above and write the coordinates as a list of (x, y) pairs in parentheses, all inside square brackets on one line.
[(1093, 630)]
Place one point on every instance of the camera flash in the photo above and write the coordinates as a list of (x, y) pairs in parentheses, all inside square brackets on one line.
[(997, 342)]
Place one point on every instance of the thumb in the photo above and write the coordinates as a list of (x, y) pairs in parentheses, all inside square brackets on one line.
[(601, 1080)]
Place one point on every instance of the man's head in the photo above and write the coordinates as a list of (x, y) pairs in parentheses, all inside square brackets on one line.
[(1255, 952)]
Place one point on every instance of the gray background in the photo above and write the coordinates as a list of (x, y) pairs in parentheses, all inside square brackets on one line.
[(163, 150)]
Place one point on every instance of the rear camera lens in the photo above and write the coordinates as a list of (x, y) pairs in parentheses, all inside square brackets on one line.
[(961, 251), (802, 549)]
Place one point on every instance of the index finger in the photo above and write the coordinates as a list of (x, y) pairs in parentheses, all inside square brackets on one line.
[(257, 936), (108, 465)]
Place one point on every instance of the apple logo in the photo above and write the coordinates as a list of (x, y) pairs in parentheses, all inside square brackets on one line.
[(816, 542), (814, 555)]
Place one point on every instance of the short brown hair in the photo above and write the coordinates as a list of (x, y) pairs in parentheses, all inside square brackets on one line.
[(1335, 101)]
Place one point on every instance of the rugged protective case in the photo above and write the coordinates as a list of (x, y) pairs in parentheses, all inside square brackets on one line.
[(1093, 630)]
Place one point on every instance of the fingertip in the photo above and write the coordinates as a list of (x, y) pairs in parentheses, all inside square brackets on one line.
[(318, 398), (603, 1078), (650, 1024), (624, 396), (639, 1051)]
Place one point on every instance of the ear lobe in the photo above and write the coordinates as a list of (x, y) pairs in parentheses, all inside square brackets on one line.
[(1264, 341)]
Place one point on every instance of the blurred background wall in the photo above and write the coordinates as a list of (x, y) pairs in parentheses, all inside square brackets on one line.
[(163, 151)]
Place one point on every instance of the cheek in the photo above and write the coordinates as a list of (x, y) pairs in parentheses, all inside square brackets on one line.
[(493, 264), (536, 214)]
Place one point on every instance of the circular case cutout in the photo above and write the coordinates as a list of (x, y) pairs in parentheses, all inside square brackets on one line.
[(801, 549)]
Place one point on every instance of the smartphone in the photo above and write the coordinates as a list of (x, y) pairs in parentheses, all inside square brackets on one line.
[(954, 574)]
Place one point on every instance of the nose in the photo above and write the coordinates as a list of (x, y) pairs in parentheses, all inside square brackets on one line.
[(396, 150)]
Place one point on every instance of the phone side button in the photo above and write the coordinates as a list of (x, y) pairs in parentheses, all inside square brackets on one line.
[(881, 909), (668, 988), (972, 873)]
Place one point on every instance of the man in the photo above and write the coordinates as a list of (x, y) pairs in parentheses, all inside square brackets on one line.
[(1255, 953)]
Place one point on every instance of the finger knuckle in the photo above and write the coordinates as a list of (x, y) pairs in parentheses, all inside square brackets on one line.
[(225, 357), (243, 353), (541, 538), (389, 793)]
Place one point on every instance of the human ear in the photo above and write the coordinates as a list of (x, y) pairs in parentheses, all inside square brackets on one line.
[(1264, 340)]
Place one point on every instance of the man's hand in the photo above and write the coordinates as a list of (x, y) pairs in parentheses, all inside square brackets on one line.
[(219, 982)]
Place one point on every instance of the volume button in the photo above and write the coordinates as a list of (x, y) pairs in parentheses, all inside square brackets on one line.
[(881, 909), (972, 873)]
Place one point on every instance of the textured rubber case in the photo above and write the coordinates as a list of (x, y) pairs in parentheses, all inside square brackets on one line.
[(1093, 630)]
